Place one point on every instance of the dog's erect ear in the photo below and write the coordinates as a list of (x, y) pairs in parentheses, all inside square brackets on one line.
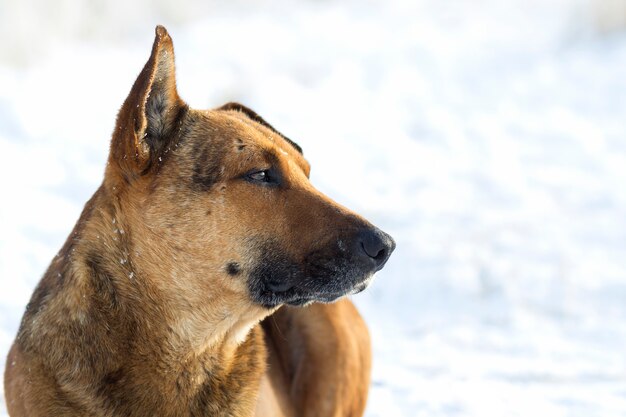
[(148, 119)]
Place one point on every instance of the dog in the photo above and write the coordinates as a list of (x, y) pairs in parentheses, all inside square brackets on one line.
[(205, 277)]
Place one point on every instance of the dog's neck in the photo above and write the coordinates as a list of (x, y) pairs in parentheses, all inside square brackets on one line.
[(153, 347)]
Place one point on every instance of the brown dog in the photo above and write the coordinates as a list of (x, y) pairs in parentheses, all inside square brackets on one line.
[(204, 225)]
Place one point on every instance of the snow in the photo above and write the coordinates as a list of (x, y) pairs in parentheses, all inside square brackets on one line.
[(487, 137)]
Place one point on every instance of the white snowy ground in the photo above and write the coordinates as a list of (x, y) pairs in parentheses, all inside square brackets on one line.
[(488, 137)]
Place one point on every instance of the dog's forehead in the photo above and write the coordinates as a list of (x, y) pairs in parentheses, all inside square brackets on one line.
[(236, 126)]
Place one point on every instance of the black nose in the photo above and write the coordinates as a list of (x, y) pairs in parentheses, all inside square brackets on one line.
[(376, 245)]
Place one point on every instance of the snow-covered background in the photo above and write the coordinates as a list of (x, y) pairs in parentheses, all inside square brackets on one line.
[(487, 136)]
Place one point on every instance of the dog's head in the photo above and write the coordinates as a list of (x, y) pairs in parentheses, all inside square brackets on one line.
[(223, 204)]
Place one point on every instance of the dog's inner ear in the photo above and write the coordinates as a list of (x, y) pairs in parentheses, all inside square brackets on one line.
[(148, 118), (251, 114)]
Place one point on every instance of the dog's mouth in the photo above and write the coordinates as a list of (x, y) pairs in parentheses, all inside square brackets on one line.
[(309, 290)]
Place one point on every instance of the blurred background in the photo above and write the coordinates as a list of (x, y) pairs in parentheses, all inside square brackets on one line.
[(487, 136)]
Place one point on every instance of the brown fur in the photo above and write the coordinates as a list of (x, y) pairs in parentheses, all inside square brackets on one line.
[(152, 305)]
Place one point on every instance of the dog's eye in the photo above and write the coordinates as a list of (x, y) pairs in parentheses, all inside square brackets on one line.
[(259, 176), (269, 177)]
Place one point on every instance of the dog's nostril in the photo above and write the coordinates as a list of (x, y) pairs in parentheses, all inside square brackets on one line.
[(373, 249), (382, 255), (376, 245)]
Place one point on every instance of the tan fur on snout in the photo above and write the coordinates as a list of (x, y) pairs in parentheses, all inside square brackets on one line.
[(153, 305)]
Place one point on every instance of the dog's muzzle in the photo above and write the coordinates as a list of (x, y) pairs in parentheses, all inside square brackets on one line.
[(341, 267)]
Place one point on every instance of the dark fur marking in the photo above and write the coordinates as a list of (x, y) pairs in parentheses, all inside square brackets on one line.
[(108, 381), (240, 145), (233, 268), (254, 116), (206, 170), (102, 282)]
